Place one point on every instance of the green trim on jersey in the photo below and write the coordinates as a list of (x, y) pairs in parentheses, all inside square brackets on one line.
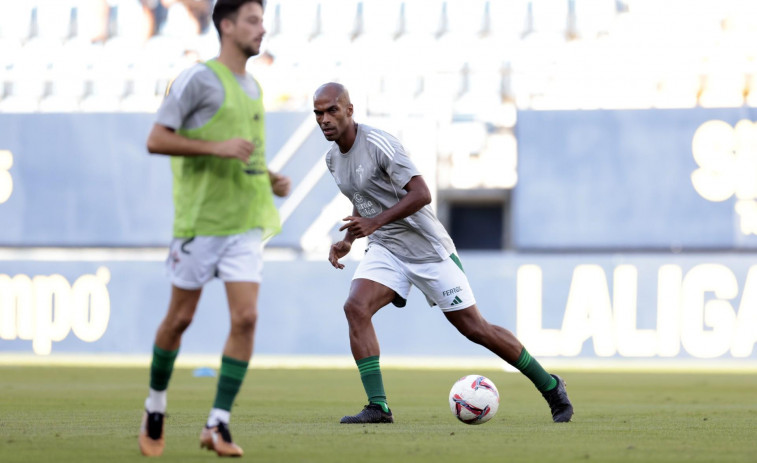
[(215, 196)]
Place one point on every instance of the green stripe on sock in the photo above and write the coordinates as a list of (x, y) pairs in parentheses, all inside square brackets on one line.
[(369, 369), (373, 383), (161, 367), (229, 382), (233, 368), (535, 372), (524, 359), (368, 364)]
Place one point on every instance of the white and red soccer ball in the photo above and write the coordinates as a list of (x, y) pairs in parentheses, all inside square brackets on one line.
[(474, 399)]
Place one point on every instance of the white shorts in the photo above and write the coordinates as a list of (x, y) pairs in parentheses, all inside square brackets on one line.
[(192, 262), (443, 283)]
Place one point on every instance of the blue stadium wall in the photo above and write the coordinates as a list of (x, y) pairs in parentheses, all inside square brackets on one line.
[(633, 238)]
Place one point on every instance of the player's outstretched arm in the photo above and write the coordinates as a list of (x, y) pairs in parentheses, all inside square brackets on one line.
[(337, 251), (164, 140), (341, 248), (418, 195)]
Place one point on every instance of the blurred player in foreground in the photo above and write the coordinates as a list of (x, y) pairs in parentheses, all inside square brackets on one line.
[(212, 124), (407, 245)]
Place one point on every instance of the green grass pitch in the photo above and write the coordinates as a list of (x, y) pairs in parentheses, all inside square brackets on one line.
[(84, 414)]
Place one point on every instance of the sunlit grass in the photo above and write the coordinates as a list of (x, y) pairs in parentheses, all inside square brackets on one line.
[(76, 414)]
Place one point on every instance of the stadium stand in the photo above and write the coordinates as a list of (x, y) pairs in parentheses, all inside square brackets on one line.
[(468, 65), (539, 54)]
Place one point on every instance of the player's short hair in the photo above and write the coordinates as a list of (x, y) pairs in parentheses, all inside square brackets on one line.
[(228, 9)]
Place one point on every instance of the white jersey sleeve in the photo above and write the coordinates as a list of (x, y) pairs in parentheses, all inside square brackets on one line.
[(193, 99)]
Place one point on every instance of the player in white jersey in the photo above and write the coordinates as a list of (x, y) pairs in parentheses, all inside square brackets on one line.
[(407, 245)]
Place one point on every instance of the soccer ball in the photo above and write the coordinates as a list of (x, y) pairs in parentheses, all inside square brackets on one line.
[(474, 399)]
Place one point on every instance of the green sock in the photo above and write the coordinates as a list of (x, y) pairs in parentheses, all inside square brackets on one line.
[(370, 374), (535, 372), (229, 381), (161, 368)]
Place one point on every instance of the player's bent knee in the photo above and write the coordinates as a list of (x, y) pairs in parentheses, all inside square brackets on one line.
[(355, 310), (180, 323), (244, 322)]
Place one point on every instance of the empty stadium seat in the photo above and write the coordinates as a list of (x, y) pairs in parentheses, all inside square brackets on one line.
[(67, 76), (142, 94), (12, 50), (16, 20), (725, 88), (547, 17), (381, 18), (337, 20), (296, 24), (23, 92), (593, 17), (724, 68), (107, 78), (336, 25), (465, 21), (453, 55), (55, 19), (677, 89), (423, 19), (508, 20), (106, 92), (65, 94), (482, 90)]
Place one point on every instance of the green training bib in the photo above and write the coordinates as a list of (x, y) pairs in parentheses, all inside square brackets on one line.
[(216, 196)]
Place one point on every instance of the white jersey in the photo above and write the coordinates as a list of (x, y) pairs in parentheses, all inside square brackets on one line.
[(372, 175)]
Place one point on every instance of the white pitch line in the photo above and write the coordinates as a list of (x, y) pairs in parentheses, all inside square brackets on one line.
[(471, 364)]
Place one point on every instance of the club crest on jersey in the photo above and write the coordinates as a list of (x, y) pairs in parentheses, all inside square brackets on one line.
[(366, 207)]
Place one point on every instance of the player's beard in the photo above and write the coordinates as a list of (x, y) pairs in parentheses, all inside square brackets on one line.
[(248, 50)]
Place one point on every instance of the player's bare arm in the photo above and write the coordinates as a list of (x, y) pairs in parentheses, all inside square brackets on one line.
[(164, 140), (280, 184), (342, 248), (418, 195)]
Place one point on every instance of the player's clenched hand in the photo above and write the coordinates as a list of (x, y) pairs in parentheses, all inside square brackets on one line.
[(337, 251), (359, 227), (280, 184), (236, 148)]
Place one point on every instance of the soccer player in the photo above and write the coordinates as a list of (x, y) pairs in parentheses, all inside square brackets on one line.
[(407, 245), (211, 124)]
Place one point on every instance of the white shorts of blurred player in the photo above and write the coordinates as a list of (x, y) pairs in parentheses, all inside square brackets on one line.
[(192, 262), (443, 283)]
